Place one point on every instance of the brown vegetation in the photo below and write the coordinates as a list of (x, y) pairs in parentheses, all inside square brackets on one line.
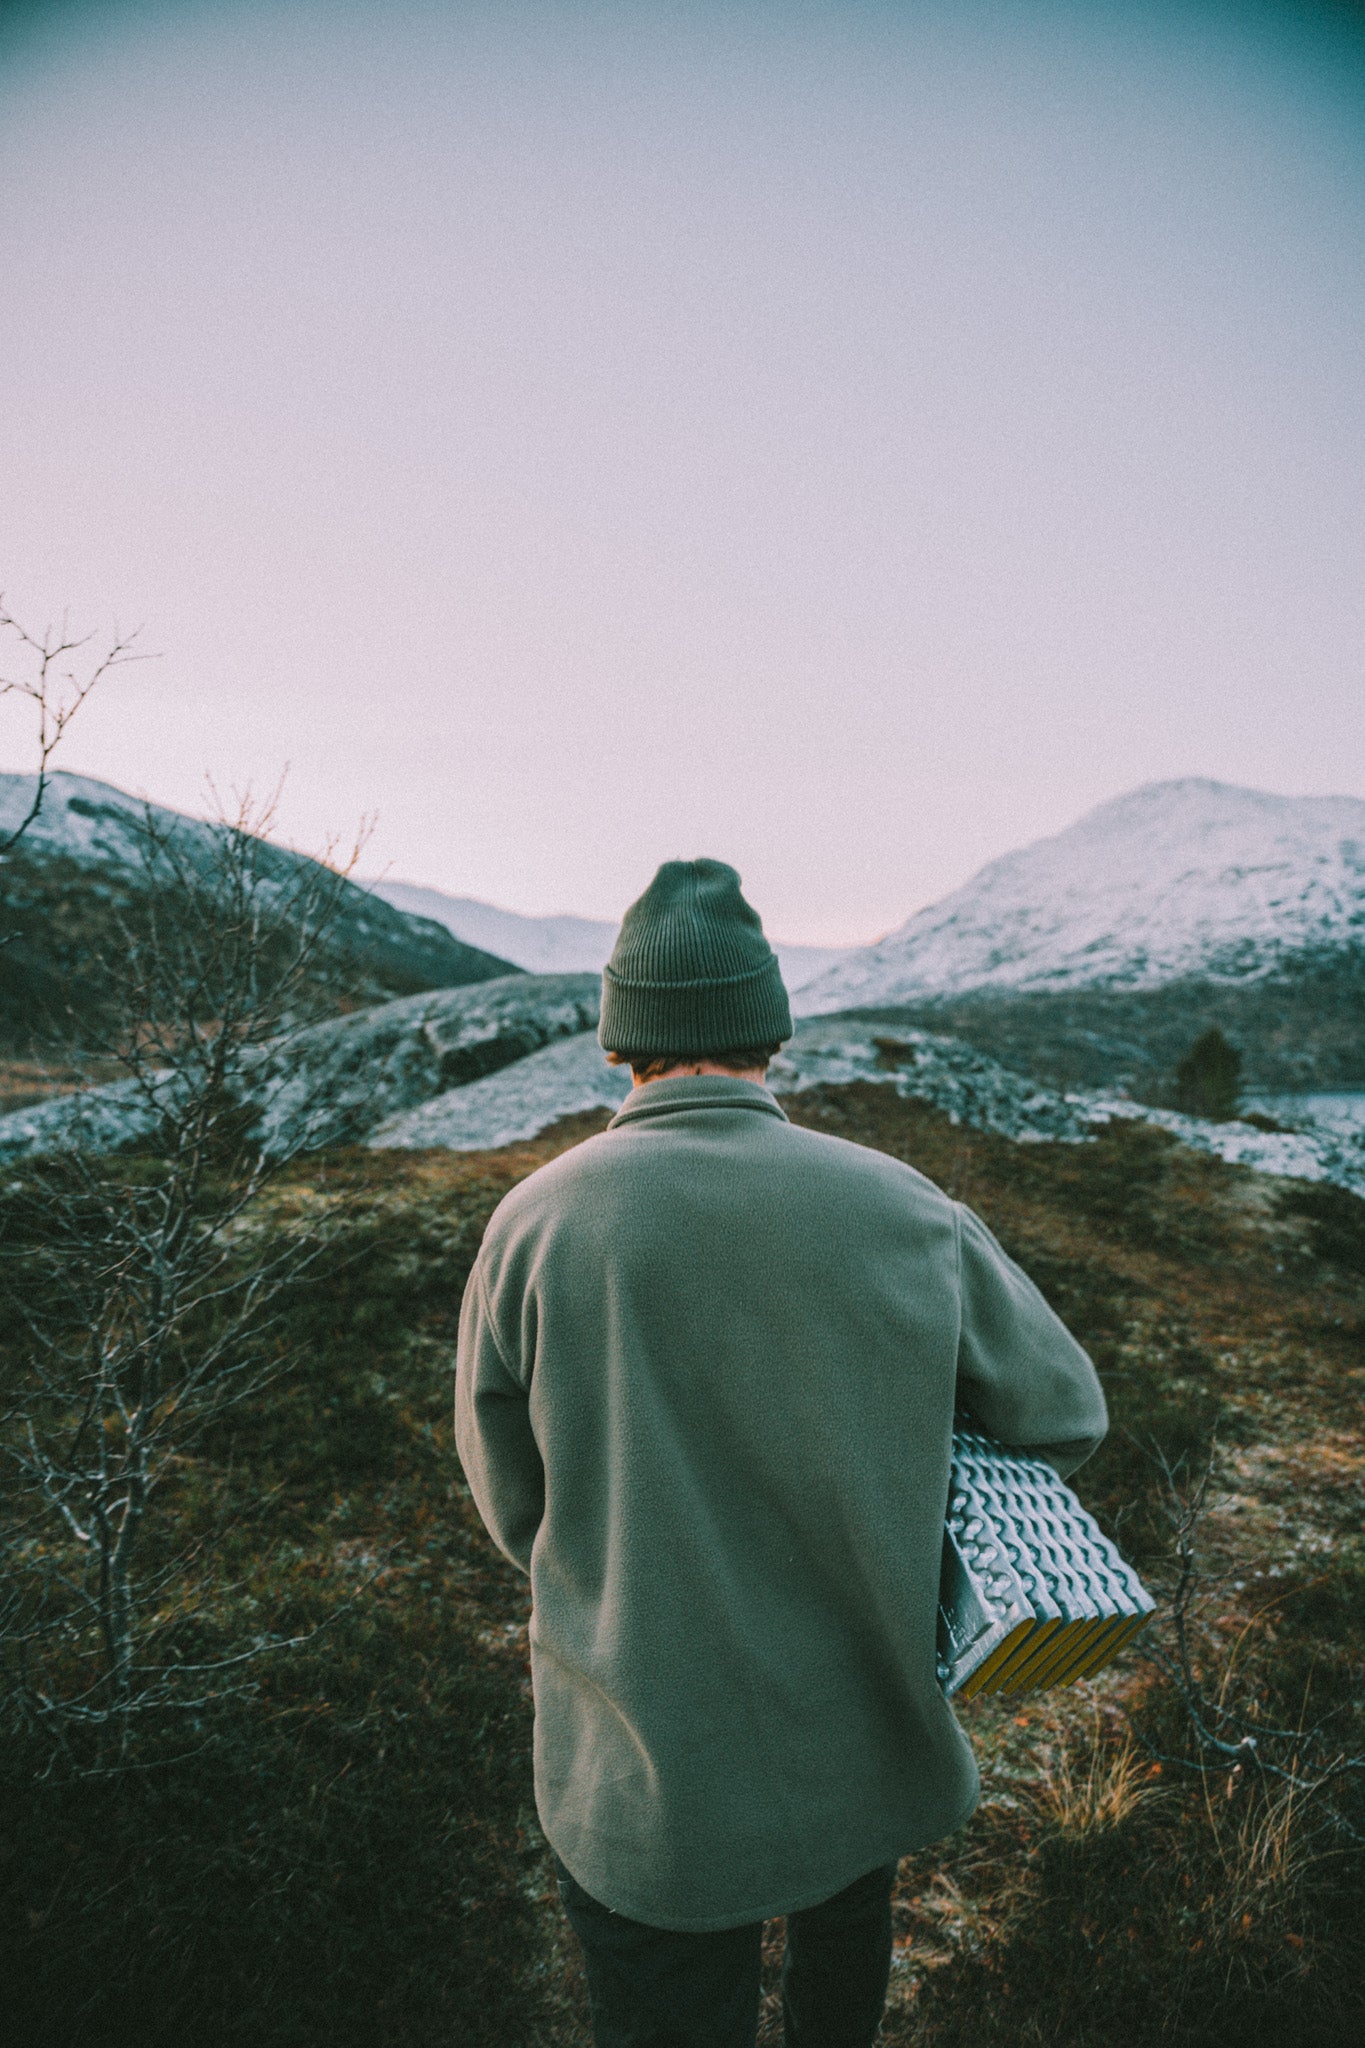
[(350, 1854)]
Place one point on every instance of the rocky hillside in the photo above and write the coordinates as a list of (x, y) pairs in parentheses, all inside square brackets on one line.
[(1302, 1028), (523, 1098), (81, 872), (496, 1064)]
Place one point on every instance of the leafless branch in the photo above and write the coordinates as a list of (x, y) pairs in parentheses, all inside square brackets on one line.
[(56, 683), (1228, 1737)]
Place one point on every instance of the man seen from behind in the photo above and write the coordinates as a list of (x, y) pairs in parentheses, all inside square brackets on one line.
[(707, 1372)]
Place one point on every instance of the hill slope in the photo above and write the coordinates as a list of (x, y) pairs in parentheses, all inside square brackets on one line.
[(79, 871), (1302, 1028), (348, 1853)]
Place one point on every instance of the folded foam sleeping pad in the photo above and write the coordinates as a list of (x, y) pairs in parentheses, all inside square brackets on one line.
[(1033, 1593)]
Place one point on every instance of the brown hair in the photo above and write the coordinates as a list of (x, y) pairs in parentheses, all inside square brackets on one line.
[(740, 1059)]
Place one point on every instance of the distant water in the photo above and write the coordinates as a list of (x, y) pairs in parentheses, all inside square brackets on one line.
[(1340, 1111)]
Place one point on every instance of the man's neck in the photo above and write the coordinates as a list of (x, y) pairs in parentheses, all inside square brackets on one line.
[(759, 1074)]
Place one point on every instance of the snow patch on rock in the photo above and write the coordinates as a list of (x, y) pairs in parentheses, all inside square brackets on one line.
[(970, 1086), (102, 1119), (332, 1083), (90, 822), (475, 1068), (515, 1104), (1314, 1154), (523, 1099), (335, 1082)]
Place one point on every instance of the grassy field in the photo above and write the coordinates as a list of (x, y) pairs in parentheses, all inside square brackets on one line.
[(350, 1854)]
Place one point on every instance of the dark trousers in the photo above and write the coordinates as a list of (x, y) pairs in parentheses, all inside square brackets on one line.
[(651, 1988)]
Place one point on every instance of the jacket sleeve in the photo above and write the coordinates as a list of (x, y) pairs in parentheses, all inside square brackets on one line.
[(1021, 1375), (493, 1431)]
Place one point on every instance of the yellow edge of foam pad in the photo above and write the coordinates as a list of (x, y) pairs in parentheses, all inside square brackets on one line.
[(1023, 1673), (1000, 1655), (1102, 1643), (1075, 1642), (1134, 1624), (971, 1686), (1029, 1650), (1069, 1669)]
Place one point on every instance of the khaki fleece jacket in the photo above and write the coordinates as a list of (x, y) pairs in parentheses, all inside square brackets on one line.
[(704, 1396)]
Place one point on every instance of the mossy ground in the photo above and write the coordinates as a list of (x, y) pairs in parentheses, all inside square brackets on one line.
[(350, 1854)]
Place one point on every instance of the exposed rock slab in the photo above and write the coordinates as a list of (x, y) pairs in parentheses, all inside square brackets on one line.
[(474, 1068), (1312, 1154), (331, 1084), (338, 1080), (504, 1108), (563, 1079), (975, 1089), (523, 1099), (91, 1120)]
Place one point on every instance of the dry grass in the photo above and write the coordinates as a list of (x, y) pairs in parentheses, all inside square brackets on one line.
[(26, 1082), (1088, 1782), (354, 1858)]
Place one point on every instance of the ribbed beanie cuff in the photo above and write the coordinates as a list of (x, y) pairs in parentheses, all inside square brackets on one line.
[(691, 971)]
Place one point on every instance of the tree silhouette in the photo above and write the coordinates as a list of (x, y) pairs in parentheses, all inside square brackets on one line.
[(1208, 1079)]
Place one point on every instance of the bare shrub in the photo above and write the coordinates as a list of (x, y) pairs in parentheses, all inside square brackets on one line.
[(1228, 1732), (147, 1293)]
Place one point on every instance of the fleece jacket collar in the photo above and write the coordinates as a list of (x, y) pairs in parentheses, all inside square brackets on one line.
[(677, 1092)]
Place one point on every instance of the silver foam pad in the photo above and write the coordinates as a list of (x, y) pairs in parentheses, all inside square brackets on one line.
[(1033, 1593)]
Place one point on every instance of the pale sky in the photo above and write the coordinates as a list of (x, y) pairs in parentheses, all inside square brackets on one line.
[(847, 440)]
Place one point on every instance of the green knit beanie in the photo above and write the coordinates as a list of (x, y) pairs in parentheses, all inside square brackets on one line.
[(691, 971)]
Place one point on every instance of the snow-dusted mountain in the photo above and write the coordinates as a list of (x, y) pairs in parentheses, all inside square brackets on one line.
[(561, 945), (1177, 879), (542, 945)]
